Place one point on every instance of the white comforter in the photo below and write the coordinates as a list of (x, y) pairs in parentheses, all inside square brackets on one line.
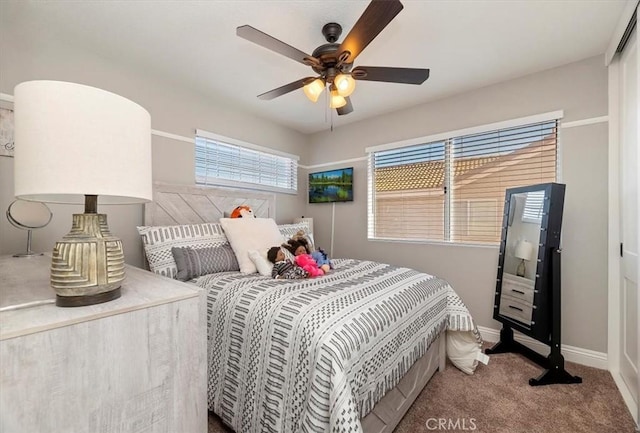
[(316, 355)]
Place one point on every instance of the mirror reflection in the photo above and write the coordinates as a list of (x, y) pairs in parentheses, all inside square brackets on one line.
[(523, 234)]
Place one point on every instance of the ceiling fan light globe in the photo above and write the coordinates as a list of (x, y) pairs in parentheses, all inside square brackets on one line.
[(345, 84), (336, 100), (314, 89)]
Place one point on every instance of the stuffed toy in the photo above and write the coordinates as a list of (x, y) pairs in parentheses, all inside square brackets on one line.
[(306, 262), (242, 211), (300, 239), (301, 236), (321, 258), (303, 259)]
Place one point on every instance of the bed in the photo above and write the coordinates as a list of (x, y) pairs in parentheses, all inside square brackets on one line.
[(346, 352)]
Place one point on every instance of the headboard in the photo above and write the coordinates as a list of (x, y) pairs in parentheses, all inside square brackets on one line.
[(191, 204)]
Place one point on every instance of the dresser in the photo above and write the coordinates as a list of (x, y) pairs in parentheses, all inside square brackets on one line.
[(135, 364)]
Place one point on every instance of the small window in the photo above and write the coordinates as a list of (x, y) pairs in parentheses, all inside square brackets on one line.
[(222, 161)]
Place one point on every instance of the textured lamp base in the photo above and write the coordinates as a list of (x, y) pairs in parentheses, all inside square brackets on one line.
[(80, 301), (521, 269), (88, 263)]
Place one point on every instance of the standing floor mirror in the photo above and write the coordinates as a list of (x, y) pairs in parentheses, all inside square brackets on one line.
[(527, 296)]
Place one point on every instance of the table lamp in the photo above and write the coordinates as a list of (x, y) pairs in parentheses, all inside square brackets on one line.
[(523, 251), (77, 144)]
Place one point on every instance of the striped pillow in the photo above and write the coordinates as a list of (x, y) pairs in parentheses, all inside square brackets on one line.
[(193, 263), (290, 230), (158, 241)]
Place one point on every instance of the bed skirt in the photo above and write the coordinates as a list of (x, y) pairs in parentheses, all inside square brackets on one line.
[(388, 412)]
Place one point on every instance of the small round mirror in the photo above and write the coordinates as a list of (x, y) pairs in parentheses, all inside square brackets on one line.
[(28, 215)]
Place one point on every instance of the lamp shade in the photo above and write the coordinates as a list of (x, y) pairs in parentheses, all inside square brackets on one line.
[(314, 89), (335, 100), (524, 250), (74, 140), (345, 84)]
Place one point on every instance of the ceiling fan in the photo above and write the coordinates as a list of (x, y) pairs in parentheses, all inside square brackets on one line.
[(333, 61)]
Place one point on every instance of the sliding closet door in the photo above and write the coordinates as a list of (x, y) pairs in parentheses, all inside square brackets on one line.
[(628, 133)]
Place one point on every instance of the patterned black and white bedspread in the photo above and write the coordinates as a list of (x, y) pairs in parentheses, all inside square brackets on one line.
[(316, 355)]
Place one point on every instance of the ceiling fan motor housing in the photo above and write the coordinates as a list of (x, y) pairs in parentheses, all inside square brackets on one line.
[(332, 32)]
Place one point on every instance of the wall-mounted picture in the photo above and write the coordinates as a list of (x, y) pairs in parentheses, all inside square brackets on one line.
[(331, 186), (6, 132)]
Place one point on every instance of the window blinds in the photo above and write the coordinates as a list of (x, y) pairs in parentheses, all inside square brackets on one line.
[(220, 163), (453, 189), (533, 205)]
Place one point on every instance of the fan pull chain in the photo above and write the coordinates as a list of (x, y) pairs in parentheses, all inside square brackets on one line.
[(326, 106)]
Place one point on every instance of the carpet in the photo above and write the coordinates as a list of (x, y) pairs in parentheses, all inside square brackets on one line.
[(498, 399)]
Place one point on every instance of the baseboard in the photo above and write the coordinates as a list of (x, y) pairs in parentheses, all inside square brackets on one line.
[(578, 355), (626, 396)]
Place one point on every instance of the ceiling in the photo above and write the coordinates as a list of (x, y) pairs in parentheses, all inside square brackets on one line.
[(466, 45)]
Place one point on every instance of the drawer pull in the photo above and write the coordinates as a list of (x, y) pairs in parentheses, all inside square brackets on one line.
[(517, 291), (516, 308)]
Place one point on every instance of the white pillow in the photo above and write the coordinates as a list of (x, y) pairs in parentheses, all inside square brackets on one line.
[(246, 234), (263, 264), (464, 351)]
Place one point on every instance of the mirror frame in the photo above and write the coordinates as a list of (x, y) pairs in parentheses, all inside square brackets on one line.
[(549, 239)]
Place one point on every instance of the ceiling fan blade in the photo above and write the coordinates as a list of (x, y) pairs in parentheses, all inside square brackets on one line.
[(345, 109), (373, 20), (269, 42), (271, 94), (390, 75)]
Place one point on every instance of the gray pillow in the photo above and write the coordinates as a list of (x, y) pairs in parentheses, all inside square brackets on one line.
[(193, 263), (159, 240)]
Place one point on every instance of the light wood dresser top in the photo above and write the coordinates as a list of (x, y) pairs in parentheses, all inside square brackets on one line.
[(24, 280)]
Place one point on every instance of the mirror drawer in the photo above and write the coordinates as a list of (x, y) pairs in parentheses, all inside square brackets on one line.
[(516, 309), (518, 290)]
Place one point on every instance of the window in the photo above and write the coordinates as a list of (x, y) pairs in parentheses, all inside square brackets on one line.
[(452, 188), (532, 212), (222, 161)]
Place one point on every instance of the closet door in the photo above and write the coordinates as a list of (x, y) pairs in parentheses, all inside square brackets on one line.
[(628, 133)]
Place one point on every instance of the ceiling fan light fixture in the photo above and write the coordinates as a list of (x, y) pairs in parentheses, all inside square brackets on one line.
[(314, 89), (345, 84), (336, 100)]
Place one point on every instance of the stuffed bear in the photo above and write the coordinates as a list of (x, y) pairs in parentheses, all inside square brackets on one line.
[(242, 211), (302, 237)]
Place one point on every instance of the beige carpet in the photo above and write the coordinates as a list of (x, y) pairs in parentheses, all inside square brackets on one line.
[(498, 399)]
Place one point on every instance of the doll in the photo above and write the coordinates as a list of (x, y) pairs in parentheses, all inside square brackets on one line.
[(304, 259), (320, 256), (284, 268)]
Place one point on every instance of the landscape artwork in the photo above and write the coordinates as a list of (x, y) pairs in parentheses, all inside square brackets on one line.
[(331, 186)]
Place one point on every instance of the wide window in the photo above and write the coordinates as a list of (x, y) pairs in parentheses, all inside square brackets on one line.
[(452, 189), (222, 161)]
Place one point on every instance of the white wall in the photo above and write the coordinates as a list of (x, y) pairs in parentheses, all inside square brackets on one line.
[(580, 90), (174, 108)]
